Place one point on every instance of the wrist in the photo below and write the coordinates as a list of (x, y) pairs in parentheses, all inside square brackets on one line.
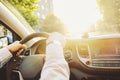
[(9, 49)]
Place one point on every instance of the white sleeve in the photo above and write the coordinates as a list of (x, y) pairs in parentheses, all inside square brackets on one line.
[(5, 56), (55, 67)]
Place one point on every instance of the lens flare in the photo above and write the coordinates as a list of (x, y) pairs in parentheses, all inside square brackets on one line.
[(77, 15)]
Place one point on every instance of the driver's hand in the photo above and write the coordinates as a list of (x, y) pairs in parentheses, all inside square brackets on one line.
[(55, 36), (16, 48)]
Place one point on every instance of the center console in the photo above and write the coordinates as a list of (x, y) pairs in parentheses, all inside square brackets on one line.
[(101, 52), (105, 52)]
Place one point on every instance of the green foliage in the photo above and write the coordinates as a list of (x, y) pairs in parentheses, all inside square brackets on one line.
[(53, 24), (111, 16), (27, 9)]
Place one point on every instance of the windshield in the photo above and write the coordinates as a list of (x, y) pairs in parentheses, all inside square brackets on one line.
[(71, 17), (97, 17)]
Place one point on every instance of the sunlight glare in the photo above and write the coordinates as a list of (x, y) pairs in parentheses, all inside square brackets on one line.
[(77, 15)]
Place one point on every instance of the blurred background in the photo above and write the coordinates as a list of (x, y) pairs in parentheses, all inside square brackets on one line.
[(71, 17)]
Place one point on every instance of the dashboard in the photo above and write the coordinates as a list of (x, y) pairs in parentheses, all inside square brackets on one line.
[(88, 59), (100, 53), (94, 58), (105, 53)]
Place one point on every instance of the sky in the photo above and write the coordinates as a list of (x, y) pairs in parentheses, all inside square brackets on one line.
[(77, 15)]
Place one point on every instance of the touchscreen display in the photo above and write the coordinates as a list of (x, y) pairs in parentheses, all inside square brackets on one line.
[(105, 47), (108, 50)]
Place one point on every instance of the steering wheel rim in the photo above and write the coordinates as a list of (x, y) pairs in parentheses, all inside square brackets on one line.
[(34, 58), (34, 35)]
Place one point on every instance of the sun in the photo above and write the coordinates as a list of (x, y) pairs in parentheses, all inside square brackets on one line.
[(77, 15)]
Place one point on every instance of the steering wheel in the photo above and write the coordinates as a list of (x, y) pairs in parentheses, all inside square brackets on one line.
[(29, 66), (34, 35)]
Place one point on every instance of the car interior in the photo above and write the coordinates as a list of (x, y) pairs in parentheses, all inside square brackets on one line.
[(89, 58)]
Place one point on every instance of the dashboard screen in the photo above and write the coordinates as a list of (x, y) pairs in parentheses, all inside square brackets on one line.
[(105, 52), (106, 47), (109, 49)]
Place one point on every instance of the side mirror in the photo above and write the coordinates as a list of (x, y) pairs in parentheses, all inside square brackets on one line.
[(3, 41), (10, 39)]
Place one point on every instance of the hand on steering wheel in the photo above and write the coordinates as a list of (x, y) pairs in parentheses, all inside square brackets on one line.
[(53, 36), (16, 48)]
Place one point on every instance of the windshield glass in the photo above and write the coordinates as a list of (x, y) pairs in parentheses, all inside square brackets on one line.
[(97, 17), (71, 17)]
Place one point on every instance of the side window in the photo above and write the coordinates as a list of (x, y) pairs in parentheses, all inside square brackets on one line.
[(5, 36)]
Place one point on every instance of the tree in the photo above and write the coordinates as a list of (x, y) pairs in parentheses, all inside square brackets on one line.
[(111, 15), (27, 9), (53, 24)]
